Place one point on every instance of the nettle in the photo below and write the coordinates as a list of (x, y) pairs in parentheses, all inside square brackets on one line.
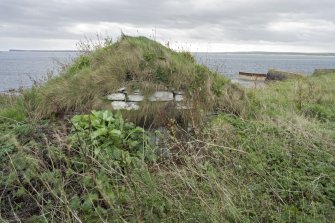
[(105, 136)]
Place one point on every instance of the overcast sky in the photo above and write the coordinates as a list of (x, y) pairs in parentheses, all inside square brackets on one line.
[(196, 25)]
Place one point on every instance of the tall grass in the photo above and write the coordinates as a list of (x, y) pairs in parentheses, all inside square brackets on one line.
[(268, 156)]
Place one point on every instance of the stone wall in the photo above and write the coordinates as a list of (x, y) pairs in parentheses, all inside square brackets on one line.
[(121, 100)]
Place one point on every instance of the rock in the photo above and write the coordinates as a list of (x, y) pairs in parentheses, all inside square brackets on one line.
[(157, 137), (281, 75), (122, 90), (10, 92), (162, 96), (163, 153), (122, 105), (181, 106), (178, 97), (117, 105), (251, 76), (116, 97), (135, 97), (132, 106)]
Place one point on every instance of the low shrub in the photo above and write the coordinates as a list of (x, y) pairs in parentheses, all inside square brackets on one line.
[(102, 134)]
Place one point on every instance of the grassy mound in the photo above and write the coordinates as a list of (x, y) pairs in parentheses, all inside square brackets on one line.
[(136, 63)]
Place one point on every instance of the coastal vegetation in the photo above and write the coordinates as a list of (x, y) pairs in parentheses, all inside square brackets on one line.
[(237, 155)]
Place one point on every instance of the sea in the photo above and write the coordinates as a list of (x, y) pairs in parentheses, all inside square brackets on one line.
[(21, 69)]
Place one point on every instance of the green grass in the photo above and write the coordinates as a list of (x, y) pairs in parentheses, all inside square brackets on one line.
[(267, 157), (313, 97)]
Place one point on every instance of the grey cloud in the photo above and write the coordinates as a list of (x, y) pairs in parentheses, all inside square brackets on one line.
[(226, 20)]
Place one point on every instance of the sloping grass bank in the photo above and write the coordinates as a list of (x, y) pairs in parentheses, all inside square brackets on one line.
[(268, 156), (134, 63)]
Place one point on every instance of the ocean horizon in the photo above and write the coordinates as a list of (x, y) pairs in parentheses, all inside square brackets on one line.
[(21, 68), (212, 52)]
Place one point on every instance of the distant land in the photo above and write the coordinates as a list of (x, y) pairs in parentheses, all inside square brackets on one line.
[(242, 52), (18, 50), (274, 53)]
